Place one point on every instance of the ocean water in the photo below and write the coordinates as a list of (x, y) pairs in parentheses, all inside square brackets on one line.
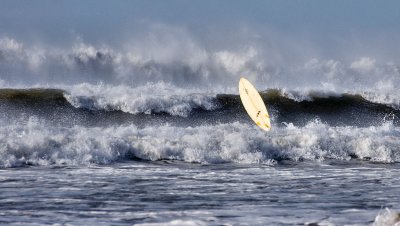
[(178, 193), (97, 135)]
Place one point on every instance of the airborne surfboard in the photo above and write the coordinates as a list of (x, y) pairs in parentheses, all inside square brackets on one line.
[(254, 104)]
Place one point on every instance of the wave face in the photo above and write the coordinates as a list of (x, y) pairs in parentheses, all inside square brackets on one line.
[(101, 126), (120, 104)]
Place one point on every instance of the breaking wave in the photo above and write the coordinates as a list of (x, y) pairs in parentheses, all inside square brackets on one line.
[(162, 99), (148, 99), (168, 96), (35, 143)]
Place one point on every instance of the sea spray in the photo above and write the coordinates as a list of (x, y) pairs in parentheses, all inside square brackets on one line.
[(35, 142)]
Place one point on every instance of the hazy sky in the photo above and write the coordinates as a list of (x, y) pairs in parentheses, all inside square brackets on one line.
[(336, 29), (94, 20)]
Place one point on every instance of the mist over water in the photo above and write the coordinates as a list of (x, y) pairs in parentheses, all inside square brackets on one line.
[(173, 55)]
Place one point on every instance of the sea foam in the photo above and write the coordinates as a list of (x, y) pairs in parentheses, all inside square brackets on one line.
[(150, 98), (387, 217), (35, 142)]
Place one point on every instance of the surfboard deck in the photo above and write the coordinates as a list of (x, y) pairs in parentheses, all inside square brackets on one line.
[(254, 104)]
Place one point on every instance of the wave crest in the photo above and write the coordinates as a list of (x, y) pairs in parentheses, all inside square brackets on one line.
[(151, 98), (38, 144)]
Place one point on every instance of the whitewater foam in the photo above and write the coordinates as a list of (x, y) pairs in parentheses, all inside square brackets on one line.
[(34, 142), (150, 98), (387, 217), (391, 99)]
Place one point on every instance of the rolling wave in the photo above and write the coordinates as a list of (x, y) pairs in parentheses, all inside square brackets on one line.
[(35, 143), (46, 127), (144, 104)]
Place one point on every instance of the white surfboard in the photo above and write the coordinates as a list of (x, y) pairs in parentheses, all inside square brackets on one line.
[(254, 104)]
